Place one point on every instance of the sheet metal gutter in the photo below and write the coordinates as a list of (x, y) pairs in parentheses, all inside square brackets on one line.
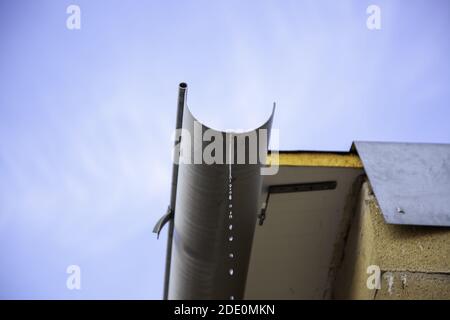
[(215, 208)]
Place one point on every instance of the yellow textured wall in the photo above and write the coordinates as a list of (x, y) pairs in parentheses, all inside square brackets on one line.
[(414, 261), (311, 159)]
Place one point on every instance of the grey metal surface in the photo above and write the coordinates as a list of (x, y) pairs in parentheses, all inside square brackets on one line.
[(411, 181), (200, 261)]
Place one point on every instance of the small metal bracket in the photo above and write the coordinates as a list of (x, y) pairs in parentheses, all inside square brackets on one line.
[(298, 187), (162, 221), (262, 216)]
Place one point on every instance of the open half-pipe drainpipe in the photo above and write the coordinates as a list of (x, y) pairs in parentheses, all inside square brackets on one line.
[(217, 202)]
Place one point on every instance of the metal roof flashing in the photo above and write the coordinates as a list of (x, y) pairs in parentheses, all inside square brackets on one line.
[(411, 181)]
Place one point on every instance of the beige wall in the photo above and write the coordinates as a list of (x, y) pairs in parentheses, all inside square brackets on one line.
[(414, 261)]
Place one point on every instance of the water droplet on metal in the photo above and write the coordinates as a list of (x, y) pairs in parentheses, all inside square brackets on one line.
[(230, 227), (230, 238), (231, 297), (231, 272), (231, 255)]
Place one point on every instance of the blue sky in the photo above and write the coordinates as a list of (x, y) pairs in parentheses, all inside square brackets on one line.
[(86, 116)]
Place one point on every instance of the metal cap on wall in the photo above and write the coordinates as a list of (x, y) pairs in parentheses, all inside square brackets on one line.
[(411, 181)]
